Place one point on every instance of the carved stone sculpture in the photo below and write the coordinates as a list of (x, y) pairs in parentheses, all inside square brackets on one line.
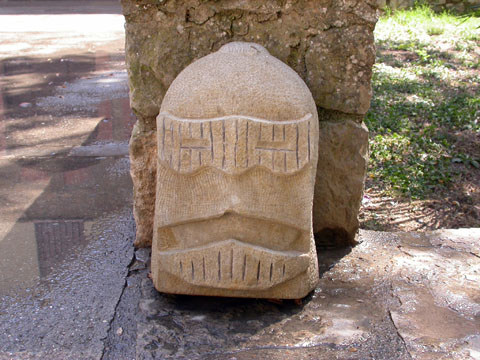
[(237, 148)]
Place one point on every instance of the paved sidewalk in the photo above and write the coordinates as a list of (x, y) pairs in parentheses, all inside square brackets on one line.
[(66, 225), (73, 287)]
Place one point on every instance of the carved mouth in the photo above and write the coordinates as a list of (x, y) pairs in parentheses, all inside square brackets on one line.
[(232, 264)]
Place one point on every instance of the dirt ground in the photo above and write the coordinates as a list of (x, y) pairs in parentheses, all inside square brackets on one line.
[(457, 208)]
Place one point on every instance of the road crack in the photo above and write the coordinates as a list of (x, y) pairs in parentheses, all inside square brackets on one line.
[(399, 334), (115, 311)]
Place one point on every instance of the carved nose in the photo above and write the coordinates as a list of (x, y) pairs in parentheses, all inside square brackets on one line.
[(232, 264)]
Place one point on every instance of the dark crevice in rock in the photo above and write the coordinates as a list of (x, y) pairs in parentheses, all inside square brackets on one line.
[(295, 54), (337, 116), (328, 258), (329, 238), (399, 335)]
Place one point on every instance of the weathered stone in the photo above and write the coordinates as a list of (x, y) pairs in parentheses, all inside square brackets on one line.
[(342, 164), (143, 169), (237, 155), (328, 43), (322, 40), (332, 53)]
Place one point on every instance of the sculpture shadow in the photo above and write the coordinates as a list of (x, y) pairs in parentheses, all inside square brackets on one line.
[(328, 258), (231, 321)]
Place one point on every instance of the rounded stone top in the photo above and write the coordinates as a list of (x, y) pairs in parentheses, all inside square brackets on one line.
[(239, 79)]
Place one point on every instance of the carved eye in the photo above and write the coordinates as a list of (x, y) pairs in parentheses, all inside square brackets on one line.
[(233, 144), (283, 147)]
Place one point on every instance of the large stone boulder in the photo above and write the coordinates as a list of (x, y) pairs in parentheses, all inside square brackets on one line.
[(329, 43)]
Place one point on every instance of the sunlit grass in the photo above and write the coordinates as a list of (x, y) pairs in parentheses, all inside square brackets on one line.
[(426, 90)]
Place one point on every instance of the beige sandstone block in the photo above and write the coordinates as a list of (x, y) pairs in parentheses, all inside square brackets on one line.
[(237, 138)]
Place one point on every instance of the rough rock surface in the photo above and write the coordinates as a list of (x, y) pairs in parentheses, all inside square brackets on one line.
[(342, 162), (143, 169), (328, 43)]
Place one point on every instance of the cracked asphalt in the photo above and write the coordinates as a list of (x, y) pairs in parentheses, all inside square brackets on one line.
[(73, 287)]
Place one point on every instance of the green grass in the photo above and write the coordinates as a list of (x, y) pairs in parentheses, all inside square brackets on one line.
[(426, 92)]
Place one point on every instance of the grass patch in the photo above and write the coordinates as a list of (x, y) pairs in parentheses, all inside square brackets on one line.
[(426, 92), (435, 30)]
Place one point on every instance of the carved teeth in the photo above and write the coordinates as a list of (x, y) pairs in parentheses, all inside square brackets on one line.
[(232, 264)]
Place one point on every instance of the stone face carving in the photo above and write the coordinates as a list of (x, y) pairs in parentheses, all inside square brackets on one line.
[(237, 148)]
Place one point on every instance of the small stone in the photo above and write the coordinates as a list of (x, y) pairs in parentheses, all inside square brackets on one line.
[(142, 255), (119, 331), (138, 265)]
